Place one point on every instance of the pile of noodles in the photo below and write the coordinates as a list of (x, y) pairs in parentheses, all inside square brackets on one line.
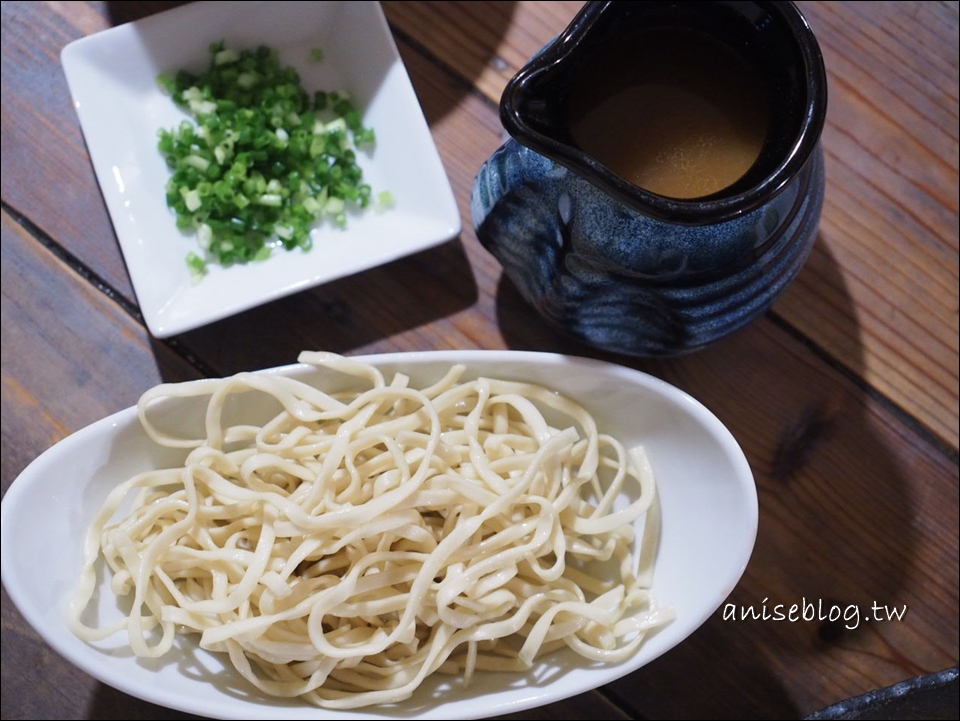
[(360, 541)]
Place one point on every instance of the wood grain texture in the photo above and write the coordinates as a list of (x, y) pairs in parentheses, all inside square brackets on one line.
[(485, 43), (71, 356), (835, 479), (844, 397), (47, 175), (881, 291)]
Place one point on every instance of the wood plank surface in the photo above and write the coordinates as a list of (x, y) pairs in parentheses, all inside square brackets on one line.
[(885, 267), (830, 465), (844, 397), (47, 175)]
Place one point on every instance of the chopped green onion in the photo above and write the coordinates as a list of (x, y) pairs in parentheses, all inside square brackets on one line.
[(264, 161), (385, 199), (197, 265)]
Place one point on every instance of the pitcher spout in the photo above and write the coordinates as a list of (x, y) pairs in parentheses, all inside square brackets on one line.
[(692, 113)]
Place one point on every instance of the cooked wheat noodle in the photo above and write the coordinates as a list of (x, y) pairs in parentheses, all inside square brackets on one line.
[(360, 541)]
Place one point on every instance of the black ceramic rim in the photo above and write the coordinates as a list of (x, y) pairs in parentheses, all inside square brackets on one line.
[(696, 211)]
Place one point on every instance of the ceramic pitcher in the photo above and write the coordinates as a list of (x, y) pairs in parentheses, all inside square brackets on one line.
[(626, 265)]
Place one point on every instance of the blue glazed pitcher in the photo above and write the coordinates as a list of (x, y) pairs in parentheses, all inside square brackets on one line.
[(664, 178)]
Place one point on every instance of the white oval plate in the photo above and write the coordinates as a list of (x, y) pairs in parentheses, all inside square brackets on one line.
[(708, 501)]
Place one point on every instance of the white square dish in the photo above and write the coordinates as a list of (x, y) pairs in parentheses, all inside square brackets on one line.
[(112, 77)]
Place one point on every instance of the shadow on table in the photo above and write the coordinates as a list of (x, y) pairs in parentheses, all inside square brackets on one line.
[(472, 62), (483, 49), (830, 493), (109, 704), (359, 312), (125, 12)]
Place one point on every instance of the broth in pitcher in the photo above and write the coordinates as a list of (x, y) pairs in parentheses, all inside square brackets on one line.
[(672, 111)]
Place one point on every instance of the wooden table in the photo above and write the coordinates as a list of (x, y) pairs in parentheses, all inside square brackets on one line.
[(844, 396)]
